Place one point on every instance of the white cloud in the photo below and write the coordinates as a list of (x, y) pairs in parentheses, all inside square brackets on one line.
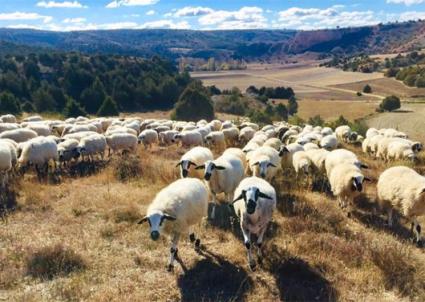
[(74, 20), (118, 3), (413, 15), (166, 24), (315, 18), (406, 2), (24, 16), (65, 4), (150, 13), (192, 11), (248, 17)]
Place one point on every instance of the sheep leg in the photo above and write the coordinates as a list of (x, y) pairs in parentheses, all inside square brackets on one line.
[(260, 243), (416, 230), (214, 201), (247, 242), (390, 217), (195, 240), (173, 251)]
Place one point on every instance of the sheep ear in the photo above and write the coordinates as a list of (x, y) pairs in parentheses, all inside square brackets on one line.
[(256, 164), (367, 179), (179, 164), (143, 220), (220, 167), (191, 164), (169, 217), (271, 165), (262, 195), (364, 166), (283, 151), (241, 196), (200, 167), (423, 191)]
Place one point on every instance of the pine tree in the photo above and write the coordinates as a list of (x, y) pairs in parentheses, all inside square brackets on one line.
[(9, 104), (93, 97), (292, 106), (73, 109), (108, 108)]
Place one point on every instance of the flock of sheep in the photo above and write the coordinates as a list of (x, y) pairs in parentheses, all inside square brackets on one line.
[(249, 160)]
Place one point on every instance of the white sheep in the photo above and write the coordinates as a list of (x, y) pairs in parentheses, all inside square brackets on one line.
[(246, 134), (92, 145), (193, 158), (78, 136), (189, 138), (310, 146), (231, 135), (343, 133), (216, 141), (254, 205), (346, 181), (166, 137), (341, 156), (8, 126), (8, 118), (399, 150), (121, 141), (301, 162), (264, 162), (329, 142), (403, 189), (274, 143), (38, 152), (371, 132), (148, 137), (239, 153), (215, 125), (175, 209), (223, 175), (318, 158), (41, 128), (19, 135), (5, 163), (68, 150), (286, 152)]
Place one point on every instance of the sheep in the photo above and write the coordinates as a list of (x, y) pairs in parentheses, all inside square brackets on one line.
[(286, 152), (346, 181), (148, 137), (68, 150), (343, 133), (216, 141), (264, 162), (175, 209), (246, 134), (121, 141), (326, 131), (19, 135), (250, 125), (274, 143), (301, 162), (317, 158), (8, 118), (92, 145), (373, 144), (78, 128), (222, 175), (341, 156), (189, 138), (403, 189), (8, 126), (254, 205), (78, 136), (166, 137), (398, 150), (371, 132), (34, 118), (38, 152), (215, 125), (13, 149), (194, 157), (231, 135), (310, 146), (40, 128), (5, 163), (239, 153), (120, 129), (329, 142)]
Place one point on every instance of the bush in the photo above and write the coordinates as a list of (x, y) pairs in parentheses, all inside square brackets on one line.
[(108, 108), (73, 109), (28, 107), (292, 106), (390, 103), (194, 104), (281, 112), (359, 93), (391, 72), (52, 261), (410, 80), (367, 89), (316, 121), (127, 167), (232, 104), (9, 104), (420, 82), (260, 117)]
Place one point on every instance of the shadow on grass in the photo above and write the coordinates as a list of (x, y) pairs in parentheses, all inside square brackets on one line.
[(296, 279), (214, 279)]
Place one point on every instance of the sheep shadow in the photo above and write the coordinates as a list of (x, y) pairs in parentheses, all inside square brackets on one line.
[(8, 201), (214, 279), (84, 168), (296, 279)]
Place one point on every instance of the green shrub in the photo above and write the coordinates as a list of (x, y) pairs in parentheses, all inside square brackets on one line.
[(367, 89), (108, 108), (390, 103)]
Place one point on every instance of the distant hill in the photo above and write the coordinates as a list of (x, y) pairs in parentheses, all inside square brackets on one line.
[(235, 44)]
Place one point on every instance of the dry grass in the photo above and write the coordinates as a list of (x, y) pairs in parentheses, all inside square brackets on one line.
[(313, 251)]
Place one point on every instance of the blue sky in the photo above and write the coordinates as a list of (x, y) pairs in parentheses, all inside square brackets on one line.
[(66, 15)]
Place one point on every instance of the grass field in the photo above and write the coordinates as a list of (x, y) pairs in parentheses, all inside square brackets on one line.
[(313, 251)]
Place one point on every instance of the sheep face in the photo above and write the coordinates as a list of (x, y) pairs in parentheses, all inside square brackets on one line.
[(185, 167), (357, 183), (263, 166), (417, 147), (176, 138), (156, 223), (209, 169), (250, 197)]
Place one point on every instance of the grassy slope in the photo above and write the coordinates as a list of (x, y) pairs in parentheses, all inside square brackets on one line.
[(314, 251)]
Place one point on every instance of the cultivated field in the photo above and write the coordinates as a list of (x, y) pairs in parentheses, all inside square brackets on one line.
[(312, 251)]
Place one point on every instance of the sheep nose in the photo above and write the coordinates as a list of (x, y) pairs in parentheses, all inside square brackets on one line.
[(263, 175), (154, 235), (185, 173), (207, 176)]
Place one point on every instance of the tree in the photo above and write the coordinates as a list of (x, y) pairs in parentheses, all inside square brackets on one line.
[(420, 82), (367, 89), (316, 121), (194, 104), (390, 103), (281, 112), (93, 97), (410, 80), (292, 106), (43, 100), (9, 104), (73, 109), (260, 117), (28, 107), (108, 108), (213, 90), (391, 72)]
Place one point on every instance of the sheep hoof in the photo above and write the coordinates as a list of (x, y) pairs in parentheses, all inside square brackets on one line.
[(419, 243), (170, 268), (197, 243), (192, 237), (349, 214)]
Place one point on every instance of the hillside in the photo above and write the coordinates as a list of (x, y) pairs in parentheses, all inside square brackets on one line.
[(237, 44)]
